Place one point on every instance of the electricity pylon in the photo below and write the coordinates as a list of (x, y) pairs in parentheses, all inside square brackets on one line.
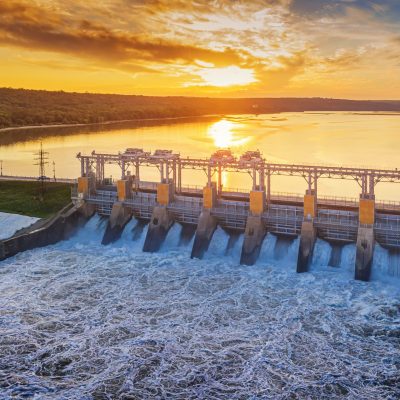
[(41, 160)]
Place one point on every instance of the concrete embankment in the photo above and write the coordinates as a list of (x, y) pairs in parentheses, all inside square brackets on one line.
[(48, 231)]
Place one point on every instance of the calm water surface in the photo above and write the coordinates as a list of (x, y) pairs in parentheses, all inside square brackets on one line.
[(356, 139)]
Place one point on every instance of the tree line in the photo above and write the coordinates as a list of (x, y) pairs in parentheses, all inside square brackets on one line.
[(22, 107)]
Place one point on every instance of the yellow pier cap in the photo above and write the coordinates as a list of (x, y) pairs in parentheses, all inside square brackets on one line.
[(124, 189), (210, 196), (165, 193), (84, 184), (310, 204), (366, 213), (257, 202)]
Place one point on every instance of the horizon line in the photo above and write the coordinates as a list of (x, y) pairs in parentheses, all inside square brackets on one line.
[(198, 97)]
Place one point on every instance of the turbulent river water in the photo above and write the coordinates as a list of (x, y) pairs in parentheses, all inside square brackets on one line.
[(79, 320)]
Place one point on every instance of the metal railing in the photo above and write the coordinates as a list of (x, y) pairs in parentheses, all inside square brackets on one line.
[(35, 178), (285, 218)]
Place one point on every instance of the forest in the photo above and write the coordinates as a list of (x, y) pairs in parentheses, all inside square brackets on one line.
[(22, 107)]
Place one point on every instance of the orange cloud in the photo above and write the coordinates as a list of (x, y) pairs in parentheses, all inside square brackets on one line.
[(281, 47), (25, 26)]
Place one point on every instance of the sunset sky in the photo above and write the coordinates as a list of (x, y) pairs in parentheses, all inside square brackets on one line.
[(260, 48)]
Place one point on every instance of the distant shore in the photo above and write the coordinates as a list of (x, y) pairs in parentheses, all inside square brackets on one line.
[(18, 128), (23, 109)]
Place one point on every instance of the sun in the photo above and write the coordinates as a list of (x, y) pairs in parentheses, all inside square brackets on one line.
[(228, 76), (222, 132)]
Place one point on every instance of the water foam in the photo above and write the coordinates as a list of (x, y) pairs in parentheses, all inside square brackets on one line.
[(11, 223), (81, 320)]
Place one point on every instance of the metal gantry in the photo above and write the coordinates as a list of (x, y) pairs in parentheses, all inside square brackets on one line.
[(171, 165)]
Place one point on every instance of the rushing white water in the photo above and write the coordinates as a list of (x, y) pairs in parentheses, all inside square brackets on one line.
[(10, 223), (79, 320)]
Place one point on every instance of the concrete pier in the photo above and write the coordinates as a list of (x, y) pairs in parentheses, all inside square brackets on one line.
[(253, 238), (160, 223), (255, 230), (120, 216), (308, 233), (206, 227), (365, 238), (307, 240), (364, 253)]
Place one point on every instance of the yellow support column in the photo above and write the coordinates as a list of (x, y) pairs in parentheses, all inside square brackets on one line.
[(84, 185), (366, 212), (123, 189), (257, 202), (210, 196), (164, 193), (310, 204)]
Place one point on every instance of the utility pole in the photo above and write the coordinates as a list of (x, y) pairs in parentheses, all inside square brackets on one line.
[(54, 171), (41, 160), (1, 164)]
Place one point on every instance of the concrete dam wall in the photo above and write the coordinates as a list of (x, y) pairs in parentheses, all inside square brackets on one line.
[(202, 212)]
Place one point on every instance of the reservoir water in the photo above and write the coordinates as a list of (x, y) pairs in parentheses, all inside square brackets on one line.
[(340, 138)]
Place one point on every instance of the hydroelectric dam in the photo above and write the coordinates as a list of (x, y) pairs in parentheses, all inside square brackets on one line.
[(202, 209)]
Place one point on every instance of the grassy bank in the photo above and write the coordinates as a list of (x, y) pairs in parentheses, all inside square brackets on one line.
[(24, 198)]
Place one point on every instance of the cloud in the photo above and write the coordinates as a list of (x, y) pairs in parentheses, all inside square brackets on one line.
[(343, 59), (335, 8), (167, 41), (25, 26)]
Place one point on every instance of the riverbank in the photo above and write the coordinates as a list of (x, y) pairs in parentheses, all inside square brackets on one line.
[(20, 107), (24, 198), (107, 123)]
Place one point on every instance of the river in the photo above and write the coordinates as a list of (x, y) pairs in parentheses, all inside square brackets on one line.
[(339, 138), (79, 320)]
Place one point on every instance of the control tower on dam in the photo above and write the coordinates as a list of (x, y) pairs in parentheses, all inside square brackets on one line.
[(256, 212)]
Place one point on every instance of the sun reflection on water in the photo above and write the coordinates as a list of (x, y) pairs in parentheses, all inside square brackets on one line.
[(224, 135)]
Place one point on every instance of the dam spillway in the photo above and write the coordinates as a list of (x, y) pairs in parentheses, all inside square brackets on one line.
[(255, 213)]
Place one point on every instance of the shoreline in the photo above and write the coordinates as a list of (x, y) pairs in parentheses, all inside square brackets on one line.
[(161, 119), (18, 128)]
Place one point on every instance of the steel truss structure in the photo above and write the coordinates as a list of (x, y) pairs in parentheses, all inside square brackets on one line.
[(336, 218), (171, 165)]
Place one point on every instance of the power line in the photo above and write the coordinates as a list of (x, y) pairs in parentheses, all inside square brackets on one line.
[(41, 158)]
